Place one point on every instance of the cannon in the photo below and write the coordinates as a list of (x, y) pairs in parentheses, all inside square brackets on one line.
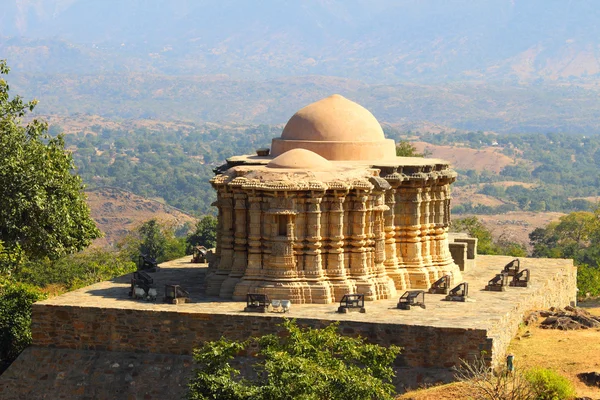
[(142, 286), (512, 268), (412, 298), (497, 283), (441, 286), (257, 302), (199, 255), (459, 293), (147, 263), (352, 302), (175, 294), (521, 279)]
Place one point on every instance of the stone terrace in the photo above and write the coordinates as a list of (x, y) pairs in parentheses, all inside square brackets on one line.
[(101, 319)]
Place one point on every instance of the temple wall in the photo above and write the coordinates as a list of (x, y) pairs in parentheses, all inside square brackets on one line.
[(317, 243)]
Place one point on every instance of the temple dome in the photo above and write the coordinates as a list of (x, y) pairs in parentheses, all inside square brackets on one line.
[(338, 130), (333, 119), (300, 159)]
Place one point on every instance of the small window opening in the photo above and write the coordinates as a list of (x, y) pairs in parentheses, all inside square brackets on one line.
[(283, 225)]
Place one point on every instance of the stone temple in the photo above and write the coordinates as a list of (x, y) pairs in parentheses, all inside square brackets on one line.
[(331, 210)]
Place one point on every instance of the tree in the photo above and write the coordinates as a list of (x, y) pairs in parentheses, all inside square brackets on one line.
[(154, 241), (43, 210), (205, 233), (306, 364), (485, 243), (406, 149)]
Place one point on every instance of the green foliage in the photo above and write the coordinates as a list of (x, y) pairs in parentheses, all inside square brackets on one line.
[(15, 318), (305, 364), (485, 243), (406, 149), (171, 163), (576, 236), (549, 385), (155, 240), (43, 212), (76, 270), (205, 233), (588, 280)]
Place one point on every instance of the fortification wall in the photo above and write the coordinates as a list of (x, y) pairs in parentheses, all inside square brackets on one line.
[(126, 330)]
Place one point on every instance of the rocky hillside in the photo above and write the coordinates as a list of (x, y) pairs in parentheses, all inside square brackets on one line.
[(117, 212)]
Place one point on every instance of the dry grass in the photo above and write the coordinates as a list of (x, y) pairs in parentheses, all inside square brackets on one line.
[(117, 212), (488, 158), (567, 352)]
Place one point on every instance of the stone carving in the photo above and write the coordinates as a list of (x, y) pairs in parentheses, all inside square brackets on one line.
[(331, 212)]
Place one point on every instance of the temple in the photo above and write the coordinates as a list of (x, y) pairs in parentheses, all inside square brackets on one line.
[(330, 210)]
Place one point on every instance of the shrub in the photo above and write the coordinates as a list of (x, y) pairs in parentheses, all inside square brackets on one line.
[(482, 383), (588, 281), (306, 364), (77, 270), (15, 318), (549, 385)]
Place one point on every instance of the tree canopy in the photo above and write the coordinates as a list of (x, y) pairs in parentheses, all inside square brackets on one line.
[(205, 233), (305, 364), (43, 212)]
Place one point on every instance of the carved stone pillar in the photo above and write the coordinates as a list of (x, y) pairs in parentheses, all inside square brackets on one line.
[(385, 287), (319, 289), (359, 269), (240, 248), (213, 283), (253, 273), (336, 272), (392, 262)]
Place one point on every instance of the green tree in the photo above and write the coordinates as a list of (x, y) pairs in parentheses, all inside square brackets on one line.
[(474, 227), (406, 149), (485, 242), (15, 318), (153, 240), (305, 364), (205, 233), (43, 212)]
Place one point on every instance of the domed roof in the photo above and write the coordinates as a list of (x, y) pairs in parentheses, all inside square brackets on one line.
[(300, 159), (333, 119)]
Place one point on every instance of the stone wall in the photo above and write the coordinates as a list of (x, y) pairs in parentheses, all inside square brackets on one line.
[(558, 290), (43, 373), (111, 329)]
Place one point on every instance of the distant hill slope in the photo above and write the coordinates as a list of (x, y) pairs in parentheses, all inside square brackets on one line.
[(117, 212), (374, 40), (470, 106)]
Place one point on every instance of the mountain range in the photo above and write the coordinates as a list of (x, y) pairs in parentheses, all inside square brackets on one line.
[(376, 41)]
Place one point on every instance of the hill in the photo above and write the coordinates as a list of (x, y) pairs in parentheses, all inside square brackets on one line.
[(377, 40), (554, 107), (117, 212)]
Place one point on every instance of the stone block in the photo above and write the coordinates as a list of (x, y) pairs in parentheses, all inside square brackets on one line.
[(471, 246), (458, 250)]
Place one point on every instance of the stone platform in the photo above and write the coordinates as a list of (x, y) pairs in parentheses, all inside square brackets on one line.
[(100, 322)]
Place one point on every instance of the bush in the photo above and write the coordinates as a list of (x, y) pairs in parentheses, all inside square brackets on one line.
[(549, 385), (481, 383), (77, 270), (15, 318), (306, 364), (588, 281)]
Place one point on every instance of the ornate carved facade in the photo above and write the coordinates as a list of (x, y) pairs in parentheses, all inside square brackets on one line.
[(331, 211)]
